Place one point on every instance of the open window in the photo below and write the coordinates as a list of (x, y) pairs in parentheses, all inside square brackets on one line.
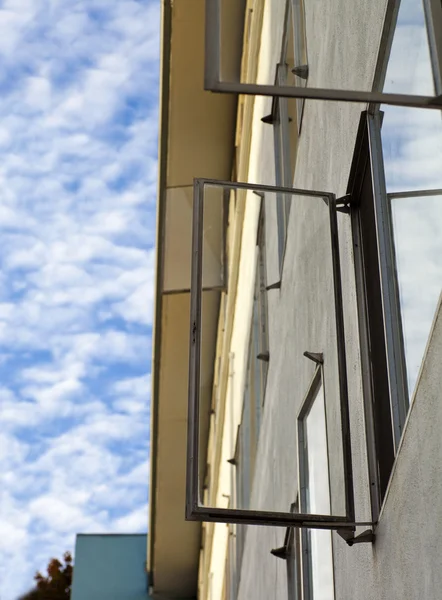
[(321, 284), (397, 249), (314, 479), (342, 56), (177, 242), (291, 553)]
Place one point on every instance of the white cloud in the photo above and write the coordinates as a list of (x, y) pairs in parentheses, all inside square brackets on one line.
[(78, 143), (412, 146)]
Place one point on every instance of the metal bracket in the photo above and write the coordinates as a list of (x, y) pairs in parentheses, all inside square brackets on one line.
[(316, 357), (284, 551), (343, 204), (280, 552), (301, 71), (274, 286), (366, 537), (269, 119)]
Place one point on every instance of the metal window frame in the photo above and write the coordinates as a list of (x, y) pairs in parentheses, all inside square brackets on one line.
[(213, 81), (396, 365), (195, 511), (428, 193), (280, 121), (414, 194), (312, 393), (299, 51), (222, 287), (290, 551), (294, 549), (361, 158), (261, 303), (433, 20)]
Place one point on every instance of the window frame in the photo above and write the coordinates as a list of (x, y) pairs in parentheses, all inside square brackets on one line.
[(285, 148), (300, 55), (283, 162), (213, 80), (259, 330), (433, 20), (293, 560), (387, 372), (194, 509), (306, 565)]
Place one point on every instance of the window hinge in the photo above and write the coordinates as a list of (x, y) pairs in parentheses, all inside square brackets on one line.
[(269, 119), (265, 356), (316, 357), (343, 204), (274, 286), (301, 71), (366, 537), (282, 552), (232, 461)]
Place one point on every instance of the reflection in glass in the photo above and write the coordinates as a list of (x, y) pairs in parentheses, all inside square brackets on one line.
[(417, 224), (317, 544), (412, 149)]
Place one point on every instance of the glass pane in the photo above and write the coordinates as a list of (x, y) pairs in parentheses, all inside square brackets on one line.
[(317, 484), (411, 138), (409, 67), (316, 498), (417, 223), (342, 53), (412, 149), (178, 241), (293, 567), (252, 442)]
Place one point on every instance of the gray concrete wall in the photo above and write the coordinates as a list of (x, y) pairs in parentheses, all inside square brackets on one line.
[(404, 561)]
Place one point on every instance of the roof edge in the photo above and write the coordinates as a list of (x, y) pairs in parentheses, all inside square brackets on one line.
[(165, 49)]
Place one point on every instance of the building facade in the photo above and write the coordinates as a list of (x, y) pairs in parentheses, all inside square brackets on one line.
[(110, 567), (310, 301)]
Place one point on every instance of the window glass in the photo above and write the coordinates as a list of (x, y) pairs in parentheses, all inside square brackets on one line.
[(285, 144), (300, 64), (242, 484), (257, 365), (230, 583), (412, 149), (293, 567), (294, 561), (315, 498), (417, 223)]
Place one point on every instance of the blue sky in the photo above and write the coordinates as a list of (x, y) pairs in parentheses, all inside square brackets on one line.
[(78, 143)]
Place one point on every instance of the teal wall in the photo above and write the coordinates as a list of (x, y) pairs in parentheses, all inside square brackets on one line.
[(110, 567)]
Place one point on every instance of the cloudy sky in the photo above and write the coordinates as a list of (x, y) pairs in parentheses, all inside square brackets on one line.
[(78, 137), (412, 146)]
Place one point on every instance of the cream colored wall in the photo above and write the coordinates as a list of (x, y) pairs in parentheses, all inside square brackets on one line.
[(260, 147)]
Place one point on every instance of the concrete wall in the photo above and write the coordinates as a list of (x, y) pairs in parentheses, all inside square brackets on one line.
[(110, 567), (301, 317), (404, 561)]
